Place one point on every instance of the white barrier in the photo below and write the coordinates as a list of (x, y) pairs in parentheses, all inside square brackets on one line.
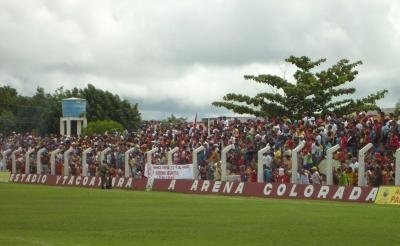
[(13, 160), (260, 174), (361, 162), (127, 169), (39, 160), (66, 161), (195, 162), (84, 161), (53, 161), (149, 153), (329, 157), (397, 179), (223, 160), (169, 155), (295, 164), (27, 160), (103, 154), (4, 159)]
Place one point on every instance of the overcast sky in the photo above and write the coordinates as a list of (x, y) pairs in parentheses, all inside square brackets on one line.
[(179, 56)]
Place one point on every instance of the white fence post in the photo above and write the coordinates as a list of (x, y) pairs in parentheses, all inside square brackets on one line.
[(103, 154), (329, 158), (223, 160), (13, 160), (53, 161), (66, 161), (39, 160), (149, 153), (84, 161), (27, 160), (361, 162), (169, 155), (4, 158), (397, 178), (127, 169), (195, 162), (261, 152), (295, 164)]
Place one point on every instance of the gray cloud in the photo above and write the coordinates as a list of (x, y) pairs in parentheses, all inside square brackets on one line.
[(186, 54)]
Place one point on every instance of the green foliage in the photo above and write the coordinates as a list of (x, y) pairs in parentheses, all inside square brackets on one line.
[(102, 126), (313, 93), (46, 215), (397, 109), (41, 112)]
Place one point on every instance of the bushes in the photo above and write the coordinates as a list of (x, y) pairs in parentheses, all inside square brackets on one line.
[(102, 126)]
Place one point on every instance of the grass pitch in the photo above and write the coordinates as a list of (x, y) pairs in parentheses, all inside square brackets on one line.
[(42, 215)]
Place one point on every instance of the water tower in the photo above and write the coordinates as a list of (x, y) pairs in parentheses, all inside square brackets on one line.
[(74, 112)]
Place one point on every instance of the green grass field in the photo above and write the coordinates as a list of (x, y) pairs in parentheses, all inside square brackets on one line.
[(42, 215)]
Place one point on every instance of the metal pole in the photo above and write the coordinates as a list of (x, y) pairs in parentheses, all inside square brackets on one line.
[(66, 161), (169, 155), (223, 160), (27, 160), (295, 166), (261, 152), (84, 161), (361, 162), (397, 179), (127, 169), (39, 160), (329, 158), (195, 162)]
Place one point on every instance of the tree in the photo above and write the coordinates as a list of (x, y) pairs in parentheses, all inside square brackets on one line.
[(397, 109), (314, 93), (102, 126)]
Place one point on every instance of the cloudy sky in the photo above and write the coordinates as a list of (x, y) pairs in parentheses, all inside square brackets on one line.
[(179, 56)]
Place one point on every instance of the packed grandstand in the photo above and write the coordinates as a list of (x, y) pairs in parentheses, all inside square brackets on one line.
[(248, 136)]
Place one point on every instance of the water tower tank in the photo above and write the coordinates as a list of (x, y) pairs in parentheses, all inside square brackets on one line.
[(73, 107)]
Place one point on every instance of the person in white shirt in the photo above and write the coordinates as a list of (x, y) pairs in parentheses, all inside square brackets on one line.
[(315, 177), (354, 163)]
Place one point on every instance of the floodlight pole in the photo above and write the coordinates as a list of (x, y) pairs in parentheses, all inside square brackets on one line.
[(53, 161), (295, 166), (169, 155), (361, 162), (66, 161), (84, 161), (223, 161), (127, 169), (13, 160), (195, 162), (39, 160), (4, 157), (27, 160), (261, 152), (329, 158)]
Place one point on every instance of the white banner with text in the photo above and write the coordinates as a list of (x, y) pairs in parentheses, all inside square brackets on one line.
[(169, 171)]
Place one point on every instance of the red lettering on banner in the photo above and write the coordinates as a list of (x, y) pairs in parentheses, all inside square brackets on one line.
[(268, 189), (293, 192), (372, 195), (172, 185), (323, 192), (281, 189), (78, 180), (355, 193), (216, 187), (239, 188), (129, 183), (71, 180), (205, 186), (228, 187), (308, 191), (194, 185), (339, 193)]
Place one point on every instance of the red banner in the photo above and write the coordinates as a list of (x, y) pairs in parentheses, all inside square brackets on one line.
[(266, 190), (270, 190), (77, 181)]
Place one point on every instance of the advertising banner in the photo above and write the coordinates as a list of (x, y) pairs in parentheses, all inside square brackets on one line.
[(169, 171), (77, 181), (388, 195)]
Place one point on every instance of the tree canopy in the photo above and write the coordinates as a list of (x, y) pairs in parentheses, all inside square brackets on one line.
[(313, 93), (41, 112)]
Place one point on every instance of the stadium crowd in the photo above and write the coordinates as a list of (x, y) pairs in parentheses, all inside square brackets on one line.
[(248, 137)]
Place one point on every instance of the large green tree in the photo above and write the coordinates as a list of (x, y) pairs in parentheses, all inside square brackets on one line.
[(320, 92)]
